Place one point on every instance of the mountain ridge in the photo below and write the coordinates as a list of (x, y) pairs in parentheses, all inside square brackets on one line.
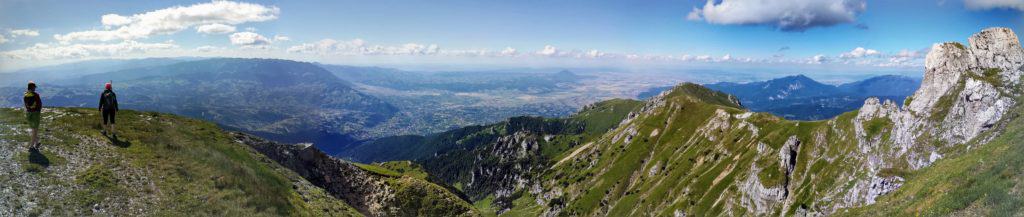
[(961, 96), (798, 97), (680, 155)]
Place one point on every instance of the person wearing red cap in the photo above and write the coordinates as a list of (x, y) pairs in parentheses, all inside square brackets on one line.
[(33, 112), (108, 106)]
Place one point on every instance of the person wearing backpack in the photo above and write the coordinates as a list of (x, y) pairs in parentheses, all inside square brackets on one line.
[(33, 112), (108, 106)]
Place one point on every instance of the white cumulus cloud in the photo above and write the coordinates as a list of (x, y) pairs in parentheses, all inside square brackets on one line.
[(818, 59), (172, 20), (329, 46), (859, 52), (24, 32), (75, 51), (3, 40), (595, 54), (704, 58), (509, 51), (786, 15), (114, 20), (215, 28), (206, 48), (250, 39), (994, 4), (548, 51), (360, 47)]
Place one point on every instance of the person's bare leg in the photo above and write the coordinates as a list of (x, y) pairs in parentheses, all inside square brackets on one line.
[(35, 138)]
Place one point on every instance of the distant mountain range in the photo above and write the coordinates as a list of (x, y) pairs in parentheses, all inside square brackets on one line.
[(278, 99), (74, 70), (801, 98), (458, 81), (329, 105)]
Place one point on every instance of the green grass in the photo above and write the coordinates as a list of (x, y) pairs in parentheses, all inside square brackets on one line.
[(684, 168), (877, 126), (942, 106), (195, 167), (417, 197), (378, 170), (525, 206), (958, 45), (486, 206), (991, 75), (396, 169), (706, 95)]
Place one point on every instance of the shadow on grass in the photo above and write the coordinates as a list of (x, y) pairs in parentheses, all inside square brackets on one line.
[(37, 158), (118, 142)]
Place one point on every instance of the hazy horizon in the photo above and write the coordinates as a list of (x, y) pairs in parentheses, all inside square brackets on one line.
[(844, 38)]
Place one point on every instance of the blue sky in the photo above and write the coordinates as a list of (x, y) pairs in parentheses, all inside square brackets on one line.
[(891, 35)]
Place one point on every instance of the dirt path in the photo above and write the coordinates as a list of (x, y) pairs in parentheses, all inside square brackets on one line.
[(573, 154)]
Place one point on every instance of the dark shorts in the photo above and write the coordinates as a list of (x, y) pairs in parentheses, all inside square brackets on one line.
[(33, 119), (108, 116)]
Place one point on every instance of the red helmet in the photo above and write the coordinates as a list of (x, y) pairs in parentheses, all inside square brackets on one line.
[(109, 86)]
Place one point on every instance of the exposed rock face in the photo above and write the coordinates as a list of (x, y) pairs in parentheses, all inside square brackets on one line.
[(966, 90), (372, 194), (505, 166), (346, 181)]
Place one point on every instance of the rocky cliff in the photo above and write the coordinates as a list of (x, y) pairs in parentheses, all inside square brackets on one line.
[(371, 193)]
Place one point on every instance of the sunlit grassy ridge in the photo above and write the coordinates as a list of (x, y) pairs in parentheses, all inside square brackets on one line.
[(694, 152), (159, 165)]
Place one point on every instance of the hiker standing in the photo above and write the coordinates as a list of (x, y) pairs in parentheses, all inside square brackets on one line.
[(108, 106), (33, 109)]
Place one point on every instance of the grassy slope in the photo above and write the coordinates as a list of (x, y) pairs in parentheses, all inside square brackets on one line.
[(396, 169), (985, 181), (161, 165), (453, 167), (683, 169)]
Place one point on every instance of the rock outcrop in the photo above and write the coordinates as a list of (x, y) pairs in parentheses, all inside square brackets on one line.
[(372, 194), (966, 90)]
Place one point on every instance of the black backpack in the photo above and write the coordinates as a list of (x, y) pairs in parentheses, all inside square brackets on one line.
[(108, 100)]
